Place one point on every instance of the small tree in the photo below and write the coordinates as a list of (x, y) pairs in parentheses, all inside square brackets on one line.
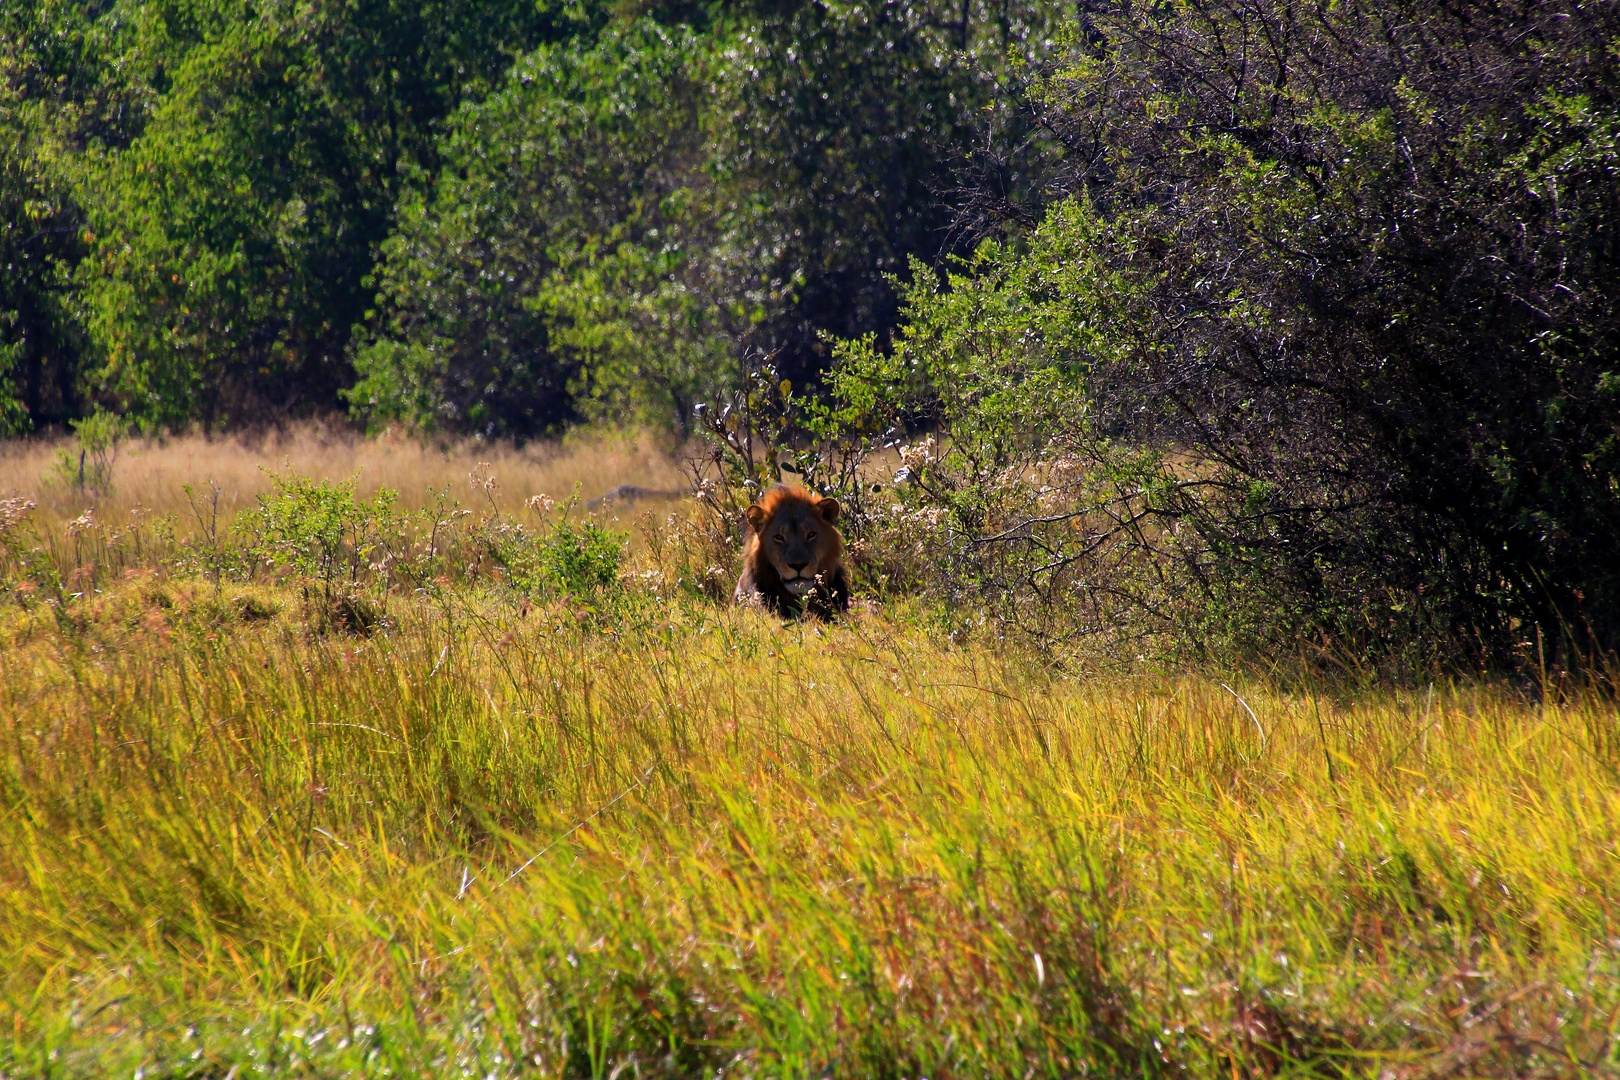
[(89, 465), (326, 535)]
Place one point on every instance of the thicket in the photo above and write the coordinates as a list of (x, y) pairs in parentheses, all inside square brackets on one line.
[(1315, 346), (1220, 327)]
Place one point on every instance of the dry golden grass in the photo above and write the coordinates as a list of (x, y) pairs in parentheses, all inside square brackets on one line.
[(150, 473), (490, 823), (663, 839)]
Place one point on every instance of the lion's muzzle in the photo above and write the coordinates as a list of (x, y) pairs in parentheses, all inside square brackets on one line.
[(798, 586)]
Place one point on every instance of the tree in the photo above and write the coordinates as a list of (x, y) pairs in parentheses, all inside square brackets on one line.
[(234, 234), (627, 222), (837, 134), (66, 86), (566, 207), (1346, 275), (39, 230)]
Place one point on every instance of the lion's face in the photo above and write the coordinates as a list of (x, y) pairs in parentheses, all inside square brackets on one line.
[(798, 540)]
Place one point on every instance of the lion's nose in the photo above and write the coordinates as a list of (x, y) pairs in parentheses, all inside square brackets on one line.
[(799, 566)]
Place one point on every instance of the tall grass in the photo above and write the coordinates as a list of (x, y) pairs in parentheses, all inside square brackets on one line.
[(655, 837), (174, 505), (149, 474)]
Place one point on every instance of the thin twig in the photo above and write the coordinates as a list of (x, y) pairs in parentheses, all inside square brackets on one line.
[(645, 776), (1250, 711)]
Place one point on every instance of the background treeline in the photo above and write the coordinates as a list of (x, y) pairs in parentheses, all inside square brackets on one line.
[(1235, 324), (491, 218)]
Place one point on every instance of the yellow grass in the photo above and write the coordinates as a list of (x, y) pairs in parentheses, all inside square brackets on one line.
[(635, 833), (669, 838), (149, 473)]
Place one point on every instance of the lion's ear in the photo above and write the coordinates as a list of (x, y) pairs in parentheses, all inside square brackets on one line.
[(829, 510), (756, 517)]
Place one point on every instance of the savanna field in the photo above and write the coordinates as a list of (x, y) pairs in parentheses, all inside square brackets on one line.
[(517, 793)]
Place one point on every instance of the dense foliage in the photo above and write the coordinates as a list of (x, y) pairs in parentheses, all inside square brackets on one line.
[(562, 224), (236, 232), (213, 179), (630, 216), (63, 89), (1319, 342), (219, 212)]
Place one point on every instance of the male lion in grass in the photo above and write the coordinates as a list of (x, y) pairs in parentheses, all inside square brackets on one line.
[(794, 558)]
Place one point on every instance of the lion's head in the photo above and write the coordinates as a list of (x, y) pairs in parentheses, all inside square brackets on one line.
[(796, 534), (794, 559)]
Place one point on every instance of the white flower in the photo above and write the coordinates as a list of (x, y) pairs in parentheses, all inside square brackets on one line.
[(921, 452), (482, 479), (13, 511)]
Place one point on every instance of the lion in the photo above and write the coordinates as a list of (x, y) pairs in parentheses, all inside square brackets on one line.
[(794, 558)]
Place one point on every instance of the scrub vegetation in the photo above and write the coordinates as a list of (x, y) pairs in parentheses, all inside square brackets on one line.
[(425, 814)]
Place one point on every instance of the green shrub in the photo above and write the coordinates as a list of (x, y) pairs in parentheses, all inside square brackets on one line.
[(328, 537), (89, 465), (584, 557), (563, 557)]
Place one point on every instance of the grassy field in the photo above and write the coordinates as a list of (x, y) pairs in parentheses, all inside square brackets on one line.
[(148, 474), (641, 834)]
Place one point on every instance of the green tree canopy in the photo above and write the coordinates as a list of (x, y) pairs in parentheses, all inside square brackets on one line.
[(71, 84), (235, 232), (629, 218), (564, 200)]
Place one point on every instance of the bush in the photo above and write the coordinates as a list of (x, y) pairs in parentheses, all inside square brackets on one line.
[(569, 559), (561, 557), (89, 467), (1321, 345), (581, 558), (328, 537)]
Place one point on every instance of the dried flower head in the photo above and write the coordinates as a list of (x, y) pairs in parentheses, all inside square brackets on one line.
[(919, 453), (12, 511), (1067, 466)]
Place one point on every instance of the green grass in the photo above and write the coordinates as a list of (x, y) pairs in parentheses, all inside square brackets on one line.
[(665, 839)]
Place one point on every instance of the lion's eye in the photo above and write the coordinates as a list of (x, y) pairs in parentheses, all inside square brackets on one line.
[(809, 536), (778, 538)]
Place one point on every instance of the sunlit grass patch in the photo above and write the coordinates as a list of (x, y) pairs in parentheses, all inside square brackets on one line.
[(667, 837), (148, 474)]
